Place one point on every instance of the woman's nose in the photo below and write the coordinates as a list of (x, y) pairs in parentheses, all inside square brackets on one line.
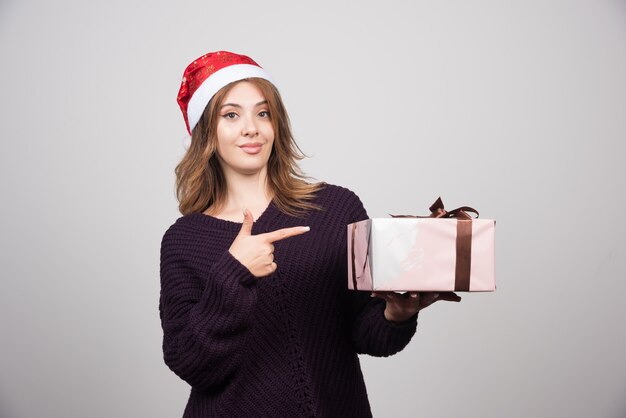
[(249, 127)]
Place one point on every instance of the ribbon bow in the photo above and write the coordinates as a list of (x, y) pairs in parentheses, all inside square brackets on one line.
[(437, 211)]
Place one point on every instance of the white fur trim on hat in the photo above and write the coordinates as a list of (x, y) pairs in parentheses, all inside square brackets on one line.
[(215, 82)]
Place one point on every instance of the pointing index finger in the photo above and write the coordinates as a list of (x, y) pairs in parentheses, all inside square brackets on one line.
[(285, 233)]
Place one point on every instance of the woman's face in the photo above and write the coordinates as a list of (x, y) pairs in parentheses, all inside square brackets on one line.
[(244, 130)]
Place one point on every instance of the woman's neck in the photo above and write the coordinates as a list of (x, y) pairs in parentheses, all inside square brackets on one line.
[(251, 192)]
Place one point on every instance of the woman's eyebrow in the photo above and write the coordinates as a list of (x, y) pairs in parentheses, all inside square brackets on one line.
[(239, 106)]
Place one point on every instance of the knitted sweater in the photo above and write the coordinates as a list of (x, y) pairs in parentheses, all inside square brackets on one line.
[(280, 346)]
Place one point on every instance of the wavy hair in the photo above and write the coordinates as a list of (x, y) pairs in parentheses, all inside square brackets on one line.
[(200, 182)]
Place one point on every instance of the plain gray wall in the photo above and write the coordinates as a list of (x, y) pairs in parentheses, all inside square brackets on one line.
[(517, 108)]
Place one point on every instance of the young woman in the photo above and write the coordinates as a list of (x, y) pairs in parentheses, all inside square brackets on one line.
[(254, 304)]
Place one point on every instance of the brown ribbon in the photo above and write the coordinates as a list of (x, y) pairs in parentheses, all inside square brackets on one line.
[(463, 255), (437, 211), (463, 239)]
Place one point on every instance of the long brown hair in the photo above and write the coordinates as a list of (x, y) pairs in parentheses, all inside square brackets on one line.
[(200, 182)]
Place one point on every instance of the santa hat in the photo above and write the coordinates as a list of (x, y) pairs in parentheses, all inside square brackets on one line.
[(207, 75)]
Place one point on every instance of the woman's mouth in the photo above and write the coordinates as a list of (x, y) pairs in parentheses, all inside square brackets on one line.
[(251, 147)]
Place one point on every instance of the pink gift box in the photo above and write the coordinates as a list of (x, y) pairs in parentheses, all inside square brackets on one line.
[(422, 254)]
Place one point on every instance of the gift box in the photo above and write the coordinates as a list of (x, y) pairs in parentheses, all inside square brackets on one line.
[(446, 251)]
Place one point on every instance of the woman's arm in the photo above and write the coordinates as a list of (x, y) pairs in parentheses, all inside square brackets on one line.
[(385, 323), (372, 333), (205, 320), (401, 311)]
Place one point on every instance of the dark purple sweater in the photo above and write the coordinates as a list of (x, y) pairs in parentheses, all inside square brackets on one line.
[(282, 346)]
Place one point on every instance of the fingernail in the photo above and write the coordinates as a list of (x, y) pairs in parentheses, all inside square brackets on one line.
[(306, 228), (244, 211), (436, 295)]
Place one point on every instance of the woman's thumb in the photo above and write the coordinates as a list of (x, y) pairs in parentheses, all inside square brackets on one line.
[(246, 226)]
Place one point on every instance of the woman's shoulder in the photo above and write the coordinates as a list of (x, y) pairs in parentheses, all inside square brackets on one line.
[(181, 227), (190, 225), (333, 191), (339, 199)]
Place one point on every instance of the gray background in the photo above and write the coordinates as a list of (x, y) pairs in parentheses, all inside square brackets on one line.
[(515, 107)]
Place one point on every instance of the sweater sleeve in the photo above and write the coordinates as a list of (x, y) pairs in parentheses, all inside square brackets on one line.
[(205, 320), (371, 333)]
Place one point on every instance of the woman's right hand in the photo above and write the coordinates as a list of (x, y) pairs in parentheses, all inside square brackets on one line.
[(256, 252)]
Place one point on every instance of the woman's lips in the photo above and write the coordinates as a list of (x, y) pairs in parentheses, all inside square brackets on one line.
[(251, 148)]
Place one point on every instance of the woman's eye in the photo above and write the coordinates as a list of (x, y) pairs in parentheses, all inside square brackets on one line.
[(230, 115), (264, 114)]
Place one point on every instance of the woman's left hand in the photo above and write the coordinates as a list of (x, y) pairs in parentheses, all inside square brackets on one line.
[(400, 307)]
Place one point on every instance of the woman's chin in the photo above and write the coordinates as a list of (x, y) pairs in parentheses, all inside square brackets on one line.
[(250, 170)]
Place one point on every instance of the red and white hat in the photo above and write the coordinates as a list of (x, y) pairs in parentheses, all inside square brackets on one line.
[(207, 75)]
